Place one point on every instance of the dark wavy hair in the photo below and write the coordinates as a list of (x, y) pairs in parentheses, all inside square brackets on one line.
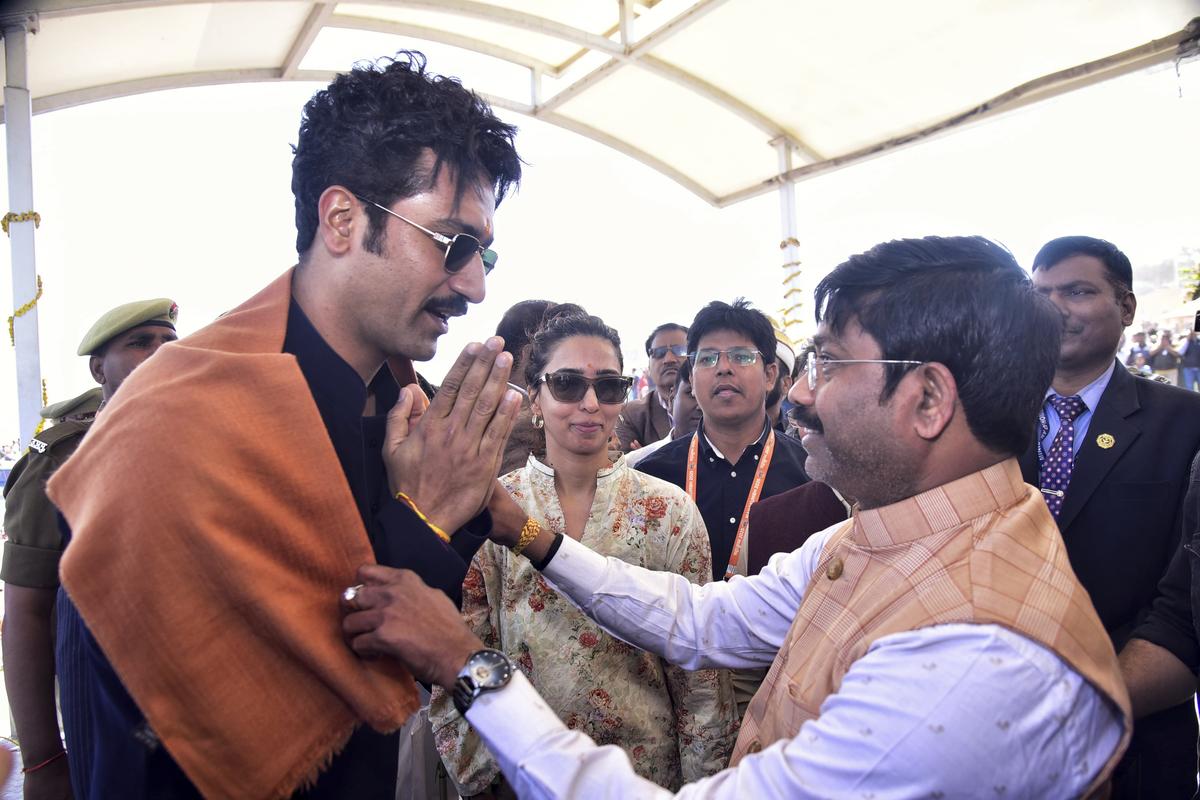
[(519, 322), (370, 129), (962, 301), (738, 318), (562, 322)]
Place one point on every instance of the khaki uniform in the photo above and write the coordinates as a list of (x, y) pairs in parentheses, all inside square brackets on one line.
[(35, 545), (83, 407)]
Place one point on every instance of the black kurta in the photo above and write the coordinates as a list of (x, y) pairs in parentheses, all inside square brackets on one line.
[(722, 488)]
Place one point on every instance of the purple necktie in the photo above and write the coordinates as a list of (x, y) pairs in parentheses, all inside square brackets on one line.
[(1060, 460)]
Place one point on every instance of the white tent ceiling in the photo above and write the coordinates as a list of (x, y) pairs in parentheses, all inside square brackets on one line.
[(730, 98), (701, 90)]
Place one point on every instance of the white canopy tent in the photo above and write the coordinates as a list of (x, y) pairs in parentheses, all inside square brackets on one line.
[(729, 98)]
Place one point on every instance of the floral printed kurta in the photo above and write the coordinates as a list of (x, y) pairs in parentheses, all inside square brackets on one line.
[(677, 726)]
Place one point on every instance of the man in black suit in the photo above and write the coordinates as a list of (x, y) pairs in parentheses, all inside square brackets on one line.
[(1112, 455)]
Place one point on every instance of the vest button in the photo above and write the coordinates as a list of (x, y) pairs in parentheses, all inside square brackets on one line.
[(754, 747), (834, 570)]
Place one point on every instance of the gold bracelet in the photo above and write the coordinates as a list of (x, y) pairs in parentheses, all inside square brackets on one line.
[(408, 501), (529, 532)]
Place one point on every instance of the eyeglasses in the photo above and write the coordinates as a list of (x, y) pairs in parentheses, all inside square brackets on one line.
[(677, 350), (707, 358), (570, 387), (815, 361), (460, 248)]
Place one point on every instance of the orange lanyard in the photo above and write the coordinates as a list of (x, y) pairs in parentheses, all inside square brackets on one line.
[(760, 477)]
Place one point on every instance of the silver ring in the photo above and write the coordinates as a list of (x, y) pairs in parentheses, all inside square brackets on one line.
[(351, 595)]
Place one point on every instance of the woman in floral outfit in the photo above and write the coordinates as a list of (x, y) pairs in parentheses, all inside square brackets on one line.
[(676, 726)]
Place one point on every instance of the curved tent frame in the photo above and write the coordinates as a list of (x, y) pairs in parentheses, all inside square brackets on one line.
[(729, 98)]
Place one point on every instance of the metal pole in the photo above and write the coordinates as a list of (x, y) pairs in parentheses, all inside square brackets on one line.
[(793, 291), (18, 122), (625, 11)]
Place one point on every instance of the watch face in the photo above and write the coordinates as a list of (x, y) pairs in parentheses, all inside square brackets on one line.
[(485, 670), (488, 669)]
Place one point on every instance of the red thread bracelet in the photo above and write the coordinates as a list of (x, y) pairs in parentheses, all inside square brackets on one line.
[(46, 763)]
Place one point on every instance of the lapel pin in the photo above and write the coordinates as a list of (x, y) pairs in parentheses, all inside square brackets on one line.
[(1105, 440)]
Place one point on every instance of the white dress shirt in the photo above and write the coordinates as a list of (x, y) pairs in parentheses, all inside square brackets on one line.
[(948, 711)]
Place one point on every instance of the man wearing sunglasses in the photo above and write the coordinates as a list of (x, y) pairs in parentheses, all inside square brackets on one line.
[(936, 645), (648, 419), (279, 448)]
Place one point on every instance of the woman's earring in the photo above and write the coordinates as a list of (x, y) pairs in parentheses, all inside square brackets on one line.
[(538, 422)]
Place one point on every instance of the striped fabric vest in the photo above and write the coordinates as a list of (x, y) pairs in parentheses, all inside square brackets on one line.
[(981, 549)]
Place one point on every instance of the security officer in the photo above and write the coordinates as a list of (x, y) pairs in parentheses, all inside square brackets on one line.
[(116, 344), (82, 407)]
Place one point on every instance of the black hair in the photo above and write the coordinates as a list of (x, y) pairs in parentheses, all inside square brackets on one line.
[(963, 302), (558, 323), (519, 322), (738, 318), (685, 372), (1116, 264), (666, 326), (370, 129)]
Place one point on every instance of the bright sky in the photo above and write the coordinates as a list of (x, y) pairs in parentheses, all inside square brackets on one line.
[(186, 194)]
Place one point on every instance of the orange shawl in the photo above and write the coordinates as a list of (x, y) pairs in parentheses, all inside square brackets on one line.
[(212, 535)]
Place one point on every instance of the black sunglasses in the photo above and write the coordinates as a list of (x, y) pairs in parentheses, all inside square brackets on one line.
[(460, 248), (679, 350), (570, 387)]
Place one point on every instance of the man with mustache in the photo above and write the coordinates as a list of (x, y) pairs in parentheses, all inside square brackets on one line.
[(783, 523), (937, 645), (1111, 457), (648, 419), (230, 487)]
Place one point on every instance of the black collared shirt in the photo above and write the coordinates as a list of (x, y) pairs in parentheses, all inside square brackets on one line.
[(722, 487), (112, 751), (366, 767)]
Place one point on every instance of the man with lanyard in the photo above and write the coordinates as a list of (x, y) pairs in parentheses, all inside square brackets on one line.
[(116, 344), (736, 457), (208, 665)]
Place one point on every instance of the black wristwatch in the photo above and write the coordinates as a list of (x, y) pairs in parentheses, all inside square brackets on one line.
[(485, 671)]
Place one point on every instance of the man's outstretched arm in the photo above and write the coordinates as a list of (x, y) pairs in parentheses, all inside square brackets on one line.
[(940, 711), (734, 624)]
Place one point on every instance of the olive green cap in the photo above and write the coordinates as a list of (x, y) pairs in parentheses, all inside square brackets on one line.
[(161, 311), (80, 406)]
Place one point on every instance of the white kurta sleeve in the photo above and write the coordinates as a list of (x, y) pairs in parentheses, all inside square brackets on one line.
[(738, 623), (946, 711)]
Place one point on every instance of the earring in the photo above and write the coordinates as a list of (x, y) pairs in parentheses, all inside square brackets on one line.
[(538, 422)]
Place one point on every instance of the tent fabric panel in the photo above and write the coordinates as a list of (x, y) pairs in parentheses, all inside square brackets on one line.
[(97, 49), (695, 136), (841, 76), (338, 49), (545, 47), (587, 15)]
